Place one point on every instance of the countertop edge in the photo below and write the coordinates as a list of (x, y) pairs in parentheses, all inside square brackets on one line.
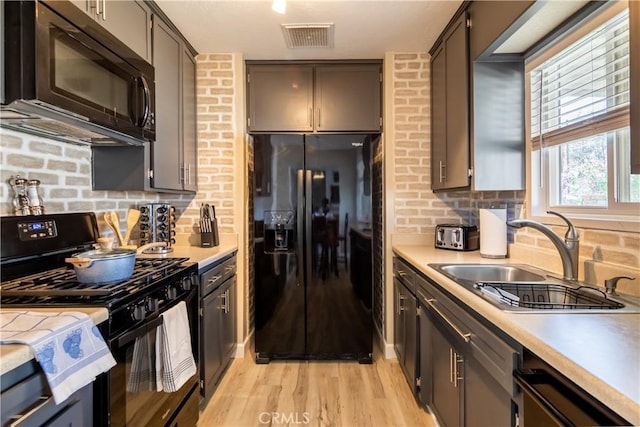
[(14, 355), (513, 326)]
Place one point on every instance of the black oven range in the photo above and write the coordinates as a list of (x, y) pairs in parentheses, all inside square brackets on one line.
[(34, 275)]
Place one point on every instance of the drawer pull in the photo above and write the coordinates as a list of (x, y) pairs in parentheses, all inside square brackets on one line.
[(214, 279), (465, 336), (23, 418)]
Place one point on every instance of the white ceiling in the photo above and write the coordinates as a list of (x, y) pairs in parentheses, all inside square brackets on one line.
[(364, 29)]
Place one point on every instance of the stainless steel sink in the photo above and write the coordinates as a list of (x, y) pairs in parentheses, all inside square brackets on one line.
[(525, 289), (490, 272)]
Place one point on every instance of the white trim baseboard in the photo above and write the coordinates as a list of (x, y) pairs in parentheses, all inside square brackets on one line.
[(243, 347)]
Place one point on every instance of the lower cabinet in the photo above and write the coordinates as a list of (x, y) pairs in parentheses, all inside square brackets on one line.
[(465, 366), (405, 322), (26, 401), (217, 323)]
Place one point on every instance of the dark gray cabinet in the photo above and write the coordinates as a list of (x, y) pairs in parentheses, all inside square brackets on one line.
[(280, 98), (473, 90), (217, 322), (464, 367), (405, 321), (168, 164), (492, 23), (314, 97), (173, 157), (448, 378), (450, 109), (634, 52), (348, 98), (27, 401), (128, 21)]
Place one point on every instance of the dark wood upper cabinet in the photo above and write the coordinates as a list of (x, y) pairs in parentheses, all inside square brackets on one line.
[(348, 98), (280, 98), (492, 23), (314, 97), (450, 109), (634, 52)]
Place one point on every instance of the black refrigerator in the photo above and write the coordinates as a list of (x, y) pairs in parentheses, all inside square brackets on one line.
[(311, 193)]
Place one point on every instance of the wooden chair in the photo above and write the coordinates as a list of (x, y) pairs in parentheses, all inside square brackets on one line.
[(342, 241)]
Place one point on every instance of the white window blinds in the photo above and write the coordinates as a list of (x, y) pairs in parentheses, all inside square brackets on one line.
[(584, 89)]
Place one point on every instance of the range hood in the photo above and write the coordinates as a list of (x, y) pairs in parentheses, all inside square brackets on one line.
[(67, 78)]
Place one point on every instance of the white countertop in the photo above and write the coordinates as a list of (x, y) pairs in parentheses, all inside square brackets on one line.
[(203, 256), (598, 352), (14, 355)]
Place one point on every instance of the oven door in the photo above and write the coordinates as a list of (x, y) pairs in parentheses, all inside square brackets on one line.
[(133, 399)]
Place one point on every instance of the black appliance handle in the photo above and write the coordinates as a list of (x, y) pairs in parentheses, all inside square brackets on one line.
[(139, 85), (522, 378), (150, 324), (301, 221), (308, 215), (146, 102), (143, 329)]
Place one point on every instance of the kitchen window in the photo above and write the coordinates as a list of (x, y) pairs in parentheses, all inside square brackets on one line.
[(578, 106)]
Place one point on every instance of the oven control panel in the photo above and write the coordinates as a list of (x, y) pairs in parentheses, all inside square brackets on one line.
[(36, 230)]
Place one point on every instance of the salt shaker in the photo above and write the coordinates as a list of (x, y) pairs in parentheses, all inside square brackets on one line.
[(20, 199), (36, 206)]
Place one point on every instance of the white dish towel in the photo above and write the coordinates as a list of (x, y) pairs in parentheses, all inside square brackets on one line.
[(67, 345), (174, 357)]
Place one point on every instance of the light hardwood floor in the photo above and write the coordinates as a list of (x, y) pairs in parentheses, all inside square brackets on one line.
[(314, 393)]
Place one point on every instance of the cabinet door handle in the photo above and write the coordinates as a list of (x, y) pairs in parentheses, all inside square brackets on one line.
[(224, 301), (450, 365), (104, 10), (443, 171), (465, 336), (311, 117), (456, 373), (319, 118)]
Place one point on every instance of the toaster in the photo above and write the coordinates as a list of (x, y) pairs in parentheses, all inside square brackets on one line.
[(457, 237)]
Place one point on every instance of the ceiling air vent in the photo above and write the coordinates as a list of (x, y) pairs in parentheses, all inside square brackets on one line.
[(308, 35)]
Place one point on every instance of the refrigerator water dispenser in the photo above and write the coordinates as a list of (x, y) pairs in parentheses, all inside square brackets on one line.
[(278, 232)]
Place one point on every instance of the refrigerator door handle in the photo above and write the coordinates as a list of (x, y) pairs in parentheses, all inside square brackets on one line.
[(300, 221), (308, 220)]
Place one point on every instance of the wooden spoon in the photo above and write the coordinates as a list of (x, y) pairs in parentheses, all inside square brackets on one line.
[(132, 219), (113, 223)]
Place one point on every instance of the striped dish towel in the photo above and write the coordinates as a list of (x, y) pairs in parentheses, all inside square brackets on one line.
[(174, 357), (67, 345)]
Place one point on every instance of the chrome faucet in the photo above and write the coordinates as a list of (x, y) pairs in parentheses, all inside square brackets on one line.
[(568, 248)]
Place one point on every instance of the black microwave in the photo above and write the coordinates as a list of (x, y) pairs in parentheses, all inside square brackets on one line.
[(69, 79)]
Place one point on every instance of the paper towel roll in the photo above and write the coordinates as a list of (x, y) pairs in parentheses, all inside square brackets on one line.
[(493, 233)]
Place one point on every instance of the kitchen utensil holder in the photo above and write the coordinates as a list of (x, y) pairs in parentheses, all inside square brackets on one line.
[(157, 224)]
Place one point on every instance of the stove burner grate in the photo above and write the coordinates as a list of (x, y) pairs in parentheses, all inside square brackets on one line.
[(62, 282)]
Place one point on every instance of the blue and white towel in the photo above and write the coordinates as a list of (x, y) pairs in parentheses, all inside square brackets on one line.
[(67, 345), (174, 357)]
